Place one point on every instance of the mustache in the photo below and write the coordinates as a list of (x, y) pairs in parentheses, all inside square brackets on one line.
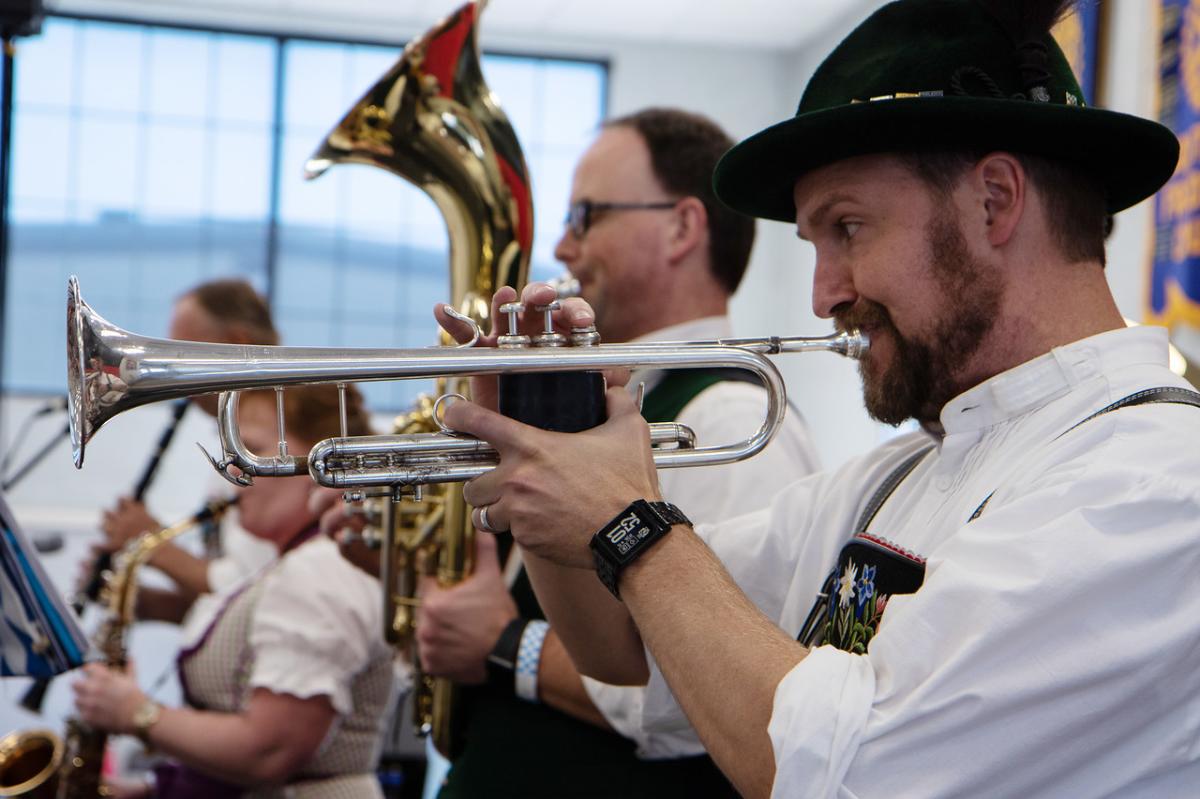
[(862, 314)]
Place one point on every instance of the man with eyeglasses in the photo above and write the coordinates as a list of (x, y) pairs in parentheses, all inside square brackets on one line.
[(657, 257)]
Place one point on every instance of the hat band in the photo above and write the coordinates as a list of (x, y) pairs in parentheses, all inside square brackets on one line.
[(1068, 97)]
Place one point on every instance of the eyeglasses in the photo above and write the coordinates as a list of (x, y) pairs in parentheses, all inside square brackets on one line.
[(580, 214)]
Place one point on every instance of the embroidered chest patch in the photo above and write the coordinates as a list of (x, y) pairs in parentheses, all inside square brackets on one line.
[(870, 570)]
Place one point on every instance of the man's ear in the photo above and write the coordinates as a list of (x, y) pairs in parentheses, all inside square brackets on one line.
[(1001, 179), (689, 229)]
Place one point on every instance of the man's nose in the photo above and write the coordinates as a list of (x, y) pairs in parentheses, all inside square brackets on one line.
[(567, 248), (832, 286)]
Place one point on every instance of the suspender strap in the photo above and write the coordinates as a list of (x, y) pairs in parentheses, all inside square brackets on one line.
[(1178, 396), (887, 487), (1149, 396)]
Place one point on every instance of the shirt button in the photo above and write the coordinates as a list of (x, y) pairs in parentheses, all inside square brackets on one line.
[(943, 484)]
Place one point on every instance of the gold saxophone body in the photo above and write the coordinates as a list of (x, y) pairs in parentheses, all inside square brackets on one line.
[(432, 120), (37, 764)]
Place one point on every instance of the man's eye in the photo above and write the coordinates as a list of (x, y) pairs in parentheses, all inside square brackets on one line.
[(848, 229)]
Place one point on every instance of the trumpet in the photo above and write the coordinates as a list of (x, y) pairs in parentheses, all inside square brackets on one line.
[(110, 370)]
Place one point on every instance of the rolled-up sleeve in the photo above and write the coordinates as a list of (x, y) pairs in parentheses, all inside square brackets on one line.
[(820, 710)]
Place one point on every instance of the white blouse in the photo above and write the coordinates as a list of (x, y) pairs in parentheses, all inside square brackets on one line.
[(317, 624)]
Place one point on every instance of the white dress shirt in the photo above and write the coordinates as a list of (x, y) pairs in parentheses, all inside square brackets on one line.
[(1053, 648), (725, 412)]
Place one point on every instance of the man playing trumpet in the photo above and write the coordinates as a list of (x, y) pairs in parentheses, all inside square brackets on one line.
[(1003, 603)]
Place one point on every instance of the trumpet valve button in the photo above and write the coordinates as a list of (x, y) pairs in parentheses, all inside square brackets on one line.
[(513, 339), (584, 336), (549, 338)]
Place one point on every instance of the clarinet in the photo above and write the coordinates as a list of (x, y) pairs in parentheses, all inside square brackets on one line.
[(36, 695)]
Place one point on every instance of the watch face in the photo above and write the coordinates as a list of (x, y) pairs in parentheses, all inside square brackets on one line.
[(626, 532)]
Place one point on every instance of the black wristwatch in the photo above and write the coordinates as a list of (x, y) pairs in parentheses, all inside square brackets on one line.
[(626, 537), (502, 661)]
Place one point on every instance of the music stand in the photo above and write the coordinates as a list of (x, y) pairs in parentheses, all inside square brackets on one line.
[(39, 636)]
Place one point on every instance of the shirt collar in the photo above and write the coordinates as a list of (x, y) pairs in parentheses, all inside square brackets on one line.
[(1047, 377)]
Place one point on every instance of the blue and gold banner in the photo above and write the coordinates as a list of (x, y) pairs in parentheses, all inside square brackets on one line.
[(1079, 37), (1174, 291)]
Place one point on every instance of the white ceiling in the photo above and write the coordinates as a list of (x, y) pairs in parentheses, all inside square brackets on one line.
[(765, 24)]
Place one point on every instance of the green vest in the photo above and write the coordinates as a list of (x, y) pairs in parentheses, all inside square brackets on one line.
[(521, 750)]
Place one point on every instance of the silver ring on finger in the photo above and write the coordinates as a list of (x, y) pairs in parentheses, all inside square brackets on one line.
[(484, 523)]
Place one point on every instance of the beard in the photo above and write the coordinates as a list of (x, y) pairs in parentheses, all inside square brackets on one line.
[(926, 371)]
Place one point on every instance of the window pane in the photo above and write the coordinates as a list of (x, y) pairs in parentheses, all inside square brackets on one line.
[(180, 81), (112, 61), (143, 161), (120, 165), (237, 99), (45, 66)]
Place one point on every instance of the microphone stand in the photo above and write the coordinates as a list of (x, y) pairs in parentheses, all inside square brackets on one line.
[(29, 465)]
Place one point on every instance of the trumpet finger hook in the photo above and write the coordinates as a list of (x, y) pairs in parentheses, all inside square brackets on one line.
[(466, 320)]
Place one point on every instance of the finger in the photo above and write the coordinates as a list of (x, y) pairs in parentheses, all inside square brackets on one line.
[(537, 293), (427, 586), (616, 377), (620, 403), (576, 313), (493, 521), (506, 435), (332, 521), (504, 294), (322, 499), (487, 557), (483, 490)]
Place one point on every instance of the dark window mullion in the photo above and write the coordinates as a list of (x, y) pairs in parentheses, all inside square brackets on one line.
[(272, 254)]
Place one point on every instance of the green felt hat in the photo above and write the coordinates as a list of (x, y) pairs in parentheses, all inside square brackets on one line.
[(944, 75)]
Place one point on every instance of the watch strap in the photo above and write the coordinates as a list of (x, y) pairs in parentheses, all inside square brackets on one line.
[(145, 717), (502, 660)]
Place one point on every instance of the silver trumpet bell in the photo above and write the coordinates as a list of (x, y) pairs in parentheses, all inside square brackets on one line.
[(110, 370)]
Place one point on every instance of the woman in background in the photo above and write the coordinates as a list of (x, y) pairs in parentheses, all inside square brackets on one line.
[(289, 684)]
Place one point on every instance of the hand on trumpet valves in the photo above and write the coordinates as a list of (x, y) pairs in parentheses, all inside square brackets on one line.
[(572, 313), (554, 490), (108, 698), (343, 522), (126, 521), (457, 626)]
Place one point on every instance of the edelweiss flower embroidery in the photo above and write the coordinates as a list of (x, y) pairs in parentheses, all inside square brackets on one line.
[(846, 585)]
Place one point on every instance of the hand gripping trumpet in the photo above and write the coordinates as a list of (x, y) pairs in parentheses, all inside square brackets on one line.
[(111, 370)]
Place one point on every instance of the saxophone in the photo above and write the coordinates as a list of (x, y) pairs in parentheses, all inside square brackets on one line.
[(432, 120), (80, 772)]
